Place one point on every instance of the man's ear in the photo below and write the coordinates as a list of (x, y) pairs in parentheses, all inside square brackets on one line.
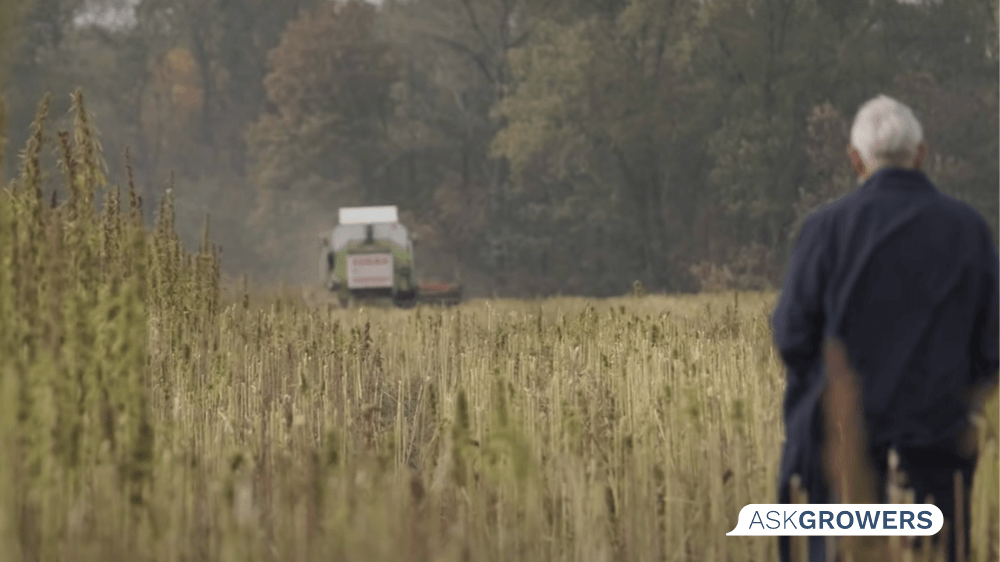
[(918, 162), (857, 162)]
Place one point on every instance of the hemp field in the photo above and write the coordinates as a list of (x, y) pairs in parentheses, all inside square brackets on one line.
[(148, 415)]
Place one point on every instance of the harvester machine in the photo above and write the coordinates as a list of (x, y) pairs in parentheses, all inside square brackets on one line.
[(369, 257)]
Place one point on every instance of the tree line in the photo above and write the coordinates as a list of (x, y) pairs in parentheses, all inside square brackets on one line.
[(544, 146)]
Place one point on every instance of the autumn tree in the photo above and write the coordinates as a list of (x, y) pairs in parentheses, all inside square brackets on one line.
[(456, 60), (33, 60), (600, 109), (788, 58), (60, 49), (547, 145), (11, 13), (330, 86), (229, 41), (170, 104)]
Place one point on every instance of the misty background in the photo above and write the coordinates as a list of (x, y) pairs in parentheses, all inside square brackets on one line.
[(536, 147)]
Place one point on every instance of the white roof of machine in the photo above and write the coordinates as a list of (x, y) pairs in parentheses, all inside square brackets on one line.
[(368, 215)]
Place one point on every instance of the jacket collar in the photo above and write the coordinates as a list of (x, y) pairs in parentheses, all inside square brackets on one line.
[(906, 178)]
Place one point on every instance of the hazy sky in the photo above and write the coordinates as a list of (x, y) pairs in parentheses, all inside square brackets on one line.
[(115, 14), (108, 13)]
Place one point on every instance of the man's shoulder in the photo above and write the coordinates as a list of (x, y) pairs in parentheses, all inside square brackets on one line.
[(829, 212), (963, 214), (943, 205)]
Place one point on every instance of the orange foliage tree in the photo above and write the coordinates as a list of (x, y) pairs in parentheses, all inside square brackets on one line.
[(329, 87), (170, 104)]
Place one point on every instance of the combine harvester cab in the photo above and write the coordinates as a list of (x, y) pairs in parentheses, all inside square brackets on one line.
[(369, 256)]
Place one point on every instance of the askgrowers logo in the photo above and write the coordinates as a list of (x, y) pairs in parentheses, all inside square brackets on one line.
[(839, 520)]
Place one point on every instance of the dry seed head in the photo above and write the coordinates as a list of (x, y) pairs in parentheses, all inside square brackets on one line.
[(87, 149), (68, 166), (31, 167), (134, 203)]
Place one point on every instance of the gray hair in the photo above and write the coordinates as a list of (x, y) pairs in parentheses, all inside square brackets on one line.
[(886, 133)]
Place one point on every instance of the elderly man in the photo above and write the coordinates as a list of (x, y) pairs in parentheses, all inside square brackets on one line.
[(905, 278)]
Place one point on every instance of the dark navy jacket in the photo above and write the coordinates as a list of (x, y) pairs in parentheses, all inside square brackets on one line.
[(907, 278)]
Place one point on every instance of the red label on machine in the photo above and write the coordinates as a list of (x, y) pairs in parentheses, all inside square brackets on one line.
[(369, 271)]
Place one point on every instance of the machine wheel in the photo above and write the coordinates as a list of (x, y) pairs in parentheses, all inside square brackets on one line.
[(405, 303), (345, 302), (405, 299)]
